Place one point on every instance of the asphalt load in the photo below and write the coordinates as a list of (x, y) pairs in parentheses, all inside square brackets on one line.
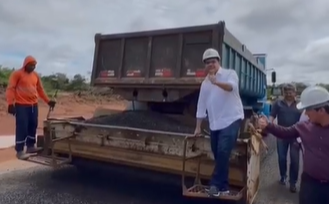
[(142, 119)]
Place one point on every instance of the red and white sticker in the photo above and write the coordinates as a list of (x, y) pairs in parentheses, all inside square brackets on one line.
[(163, 73), (196, 73), (107, 73), (133, 73)]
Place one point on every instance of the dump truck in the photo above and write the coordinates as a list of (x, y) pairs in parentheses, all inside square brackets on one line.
[(160, 72)]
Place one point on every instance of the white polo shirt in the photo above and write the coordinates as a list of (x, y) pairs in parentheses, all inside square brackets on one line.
[(222, 107), (303, 117)]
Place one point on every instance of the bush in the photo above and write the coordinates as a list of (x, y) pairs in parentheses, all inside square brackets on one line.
[(51, 82)]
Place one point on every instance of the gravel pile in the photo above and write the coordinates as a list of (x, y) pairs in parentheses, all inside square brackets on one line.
[(142, 119)]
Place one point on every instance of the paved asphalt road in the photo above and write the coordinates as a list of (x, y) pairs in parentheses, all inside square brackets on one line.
[(40, 185)]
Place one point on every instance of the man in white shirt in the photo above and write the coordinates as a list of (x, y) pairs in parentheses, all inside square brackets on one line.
[(219, 99)]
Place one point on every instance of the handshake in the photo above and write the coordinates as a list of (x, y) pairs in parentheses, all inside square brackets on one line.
[(262, 122), (258, 123)]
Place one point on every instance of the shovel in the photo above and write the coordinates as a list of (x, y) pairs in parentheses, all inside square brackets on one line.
[(53, 97)]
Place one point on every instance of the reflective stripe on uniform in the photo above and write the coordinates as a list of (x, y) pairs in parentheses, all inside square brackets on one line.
[(20, 142), (31, 137), (23, 141)]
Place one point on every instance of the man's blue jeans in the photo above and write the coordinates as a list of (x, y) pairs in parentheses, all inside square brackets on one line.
[(222, 143), (282, 149)]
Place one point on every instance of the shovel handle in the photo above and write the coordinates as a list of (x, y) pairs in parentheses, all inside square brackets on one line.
[(48, 114), (50, 108)]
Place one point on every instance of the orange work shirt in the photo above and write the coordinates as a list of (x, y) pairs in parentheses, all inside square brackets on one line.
[(25, 88)]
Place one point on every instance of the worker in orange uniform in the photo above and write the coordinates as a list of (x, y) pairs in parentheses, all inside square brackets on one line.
[(23, 92)]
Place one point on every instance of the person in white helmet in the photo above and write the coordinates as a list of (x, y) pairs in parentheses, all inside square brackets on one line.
[(314, 134), (219, 99)]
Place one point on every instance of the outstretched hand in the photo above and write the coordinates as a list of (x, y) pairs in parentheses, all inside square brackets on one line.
[(262, 122), (52, 104)]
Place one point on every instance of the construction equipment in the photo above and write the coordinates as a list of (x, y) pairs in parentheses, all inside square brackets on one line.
[(160, 72)]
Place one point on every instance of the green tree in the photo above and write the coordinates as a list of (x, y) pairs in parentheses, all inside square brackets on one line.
[(4, 75), (78, 83), (50, 82)]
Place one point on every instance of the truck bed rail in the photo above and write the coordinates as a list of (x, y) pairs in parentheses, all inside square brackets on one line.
[(115, 127)]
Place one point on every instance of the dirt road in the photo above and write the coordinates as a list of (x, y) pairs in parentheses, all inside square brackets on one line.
[(67, 105)]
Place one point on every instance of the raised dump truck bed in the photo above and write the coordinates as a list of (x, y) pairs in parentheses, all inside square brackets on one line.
[(170, 60)]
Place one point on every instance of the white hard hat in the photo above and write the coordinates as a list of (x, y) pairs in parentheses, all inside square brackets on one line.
[(313, 96), (210, 53)]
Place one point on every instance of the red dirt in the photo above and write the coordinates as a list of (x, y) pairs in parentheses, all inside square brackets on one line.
[(7, 154), (67, 105)]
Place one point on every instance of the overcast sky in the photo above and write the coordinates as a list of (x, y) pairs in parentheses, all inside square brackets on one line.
[(60, 34)]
